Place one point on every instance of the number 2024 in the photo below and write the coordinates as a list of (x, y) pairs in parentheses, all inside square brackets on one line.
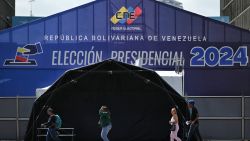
[(224, 56)]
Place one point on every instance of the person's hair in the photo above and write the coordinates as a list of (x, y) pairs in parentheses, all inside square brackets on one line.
[(105, 108), (50, 110), (191, 102)]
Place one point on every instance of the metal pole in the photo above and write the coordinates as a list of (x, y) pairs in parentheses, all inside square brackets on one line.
[(17, 118), (31, 7), (243, 118), (183, 77), (73, 135)]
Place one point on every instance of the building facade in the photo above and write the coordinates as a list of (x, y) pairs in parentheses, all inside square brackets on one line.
[(239, 12), (7, 10)]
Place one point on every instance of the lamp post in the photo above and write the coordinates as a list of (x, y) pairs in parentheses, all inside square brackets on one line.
[(31, 1)]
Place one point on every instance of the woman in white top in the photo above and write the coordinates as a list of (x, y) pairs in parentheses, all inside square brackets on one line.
[(174, 120)]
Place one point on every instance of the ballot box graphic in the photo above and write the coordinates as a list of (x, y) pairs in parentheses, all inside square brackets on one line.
[(23, 54)]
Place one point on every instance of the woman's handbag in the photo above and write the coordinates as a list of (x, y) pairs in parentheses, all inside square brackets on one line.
[(173, 127)]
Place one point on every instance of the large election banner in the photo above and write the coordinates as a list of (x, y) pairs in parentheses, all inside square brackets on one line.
[(214, 55), (154, 55)]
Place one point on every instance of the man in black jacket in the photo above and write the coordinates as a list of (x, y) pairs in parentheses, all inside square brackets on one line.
[(193, 122), (52, 133)]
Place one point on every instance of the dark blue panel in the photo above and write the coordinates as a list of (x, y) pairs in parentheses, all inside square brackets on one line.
[(36, 32), (117, 4), (245, 36), (51, 29), (150, 17), (23, 82), (5, 37), (100, 20), (217, 82), (20, 35), (7, 51), (206, 28), (232, 34), (216, 32), (197, 26), (166, 20), (85, 22), (134, 3), (181, 28), (69, 26)]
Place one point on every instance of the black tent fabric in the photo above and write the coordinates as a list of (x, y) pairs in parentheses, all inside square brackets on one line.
[(140, 102)]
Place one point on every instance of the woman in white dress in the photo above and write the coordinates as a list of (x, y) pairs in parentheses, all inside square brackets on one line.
[(174, 121)]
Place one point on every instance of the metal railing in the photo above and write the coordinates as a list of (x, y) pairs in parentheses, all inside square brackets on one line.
[(41, 133), (17, 118), (243, 116)]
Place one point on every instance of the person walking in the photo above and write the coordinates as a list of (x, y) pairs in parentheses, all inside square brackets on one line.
[(174, 122), (193, 122), (105, 122), (53, 124)]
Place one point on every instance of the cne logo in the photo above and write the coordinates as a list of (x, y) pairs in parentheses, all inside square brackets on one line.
[(125, 15)]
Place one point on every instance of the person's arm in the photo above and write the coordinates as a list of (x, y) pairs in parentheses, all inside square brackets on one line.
[(176, 119), (100, 114), (46, 123), (196, 116), (51, 122)]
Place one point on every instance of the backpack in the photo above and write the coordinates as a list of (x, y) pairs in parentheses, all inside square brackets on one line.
[(58, 121)]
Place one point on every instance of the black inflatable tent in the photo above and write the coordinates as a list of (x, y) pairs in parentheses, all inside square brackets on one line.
[(140, 102)]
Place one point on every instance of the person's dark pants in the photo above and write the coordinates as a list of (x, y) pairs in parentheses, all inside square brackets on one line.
[(194, 133), (52, 135)]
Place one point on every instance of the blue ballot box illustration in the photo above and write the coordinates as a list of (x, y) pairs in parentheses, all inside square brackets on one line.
[(23, 54)]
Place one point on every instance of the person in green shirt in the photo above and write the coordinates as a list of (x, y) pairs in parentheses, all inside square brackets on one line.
[(105, 122)]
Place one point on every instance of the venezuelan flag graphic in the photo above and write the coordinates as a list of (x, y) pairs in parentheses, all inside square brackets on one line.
[(20, 57)]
